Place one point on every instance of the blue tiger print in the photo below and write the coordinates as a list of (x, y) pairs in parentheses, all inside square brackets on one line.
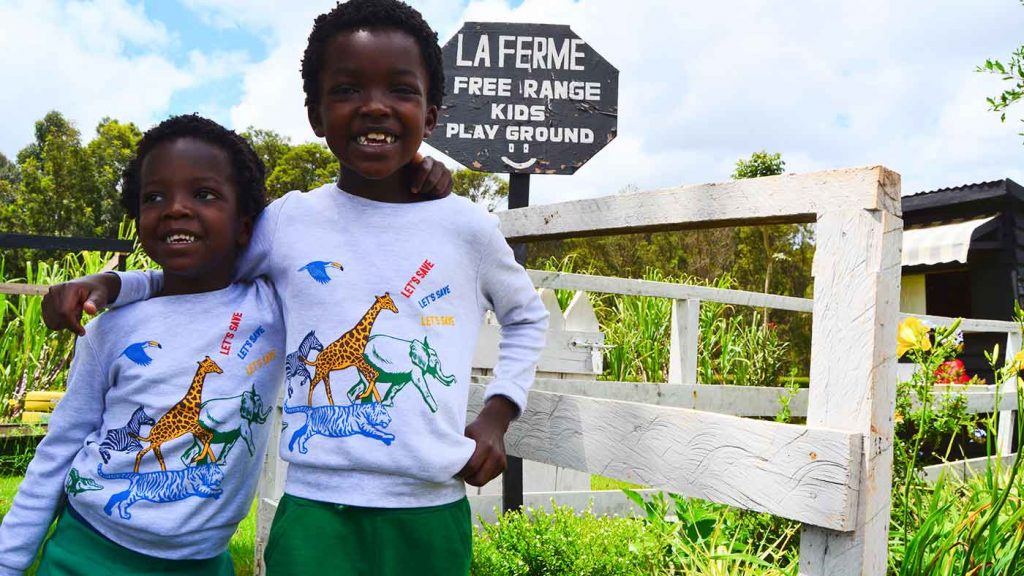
[(163, 486), (341, 421)]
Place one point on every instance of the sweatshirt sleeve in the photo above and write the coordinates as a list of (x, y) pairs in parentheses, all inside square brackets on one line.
[(254, 261), (506, 289), (41, 492)]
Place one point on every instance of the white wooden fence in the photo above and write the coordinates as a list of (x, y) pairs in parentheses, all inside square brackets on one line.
[(834, 474)]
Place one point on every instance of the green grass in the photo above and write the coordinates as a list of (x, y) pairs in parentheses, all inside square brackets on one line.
[(242, 543)]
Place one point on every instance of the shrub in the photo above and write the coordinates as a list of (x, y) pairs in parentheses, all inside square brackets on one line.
[(562, 542)]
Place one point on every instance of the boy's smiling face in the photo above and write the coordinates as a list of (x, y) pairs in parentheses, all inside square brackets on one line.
[(189, 220), (372, 105)]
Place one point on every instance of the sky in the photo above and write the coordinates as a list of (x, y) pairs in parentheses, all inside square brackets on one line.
[(701, 84)]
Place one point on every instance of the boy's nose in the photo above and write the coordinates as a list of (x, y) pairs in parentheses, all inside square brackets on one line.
[(178, 205), (374, 104)]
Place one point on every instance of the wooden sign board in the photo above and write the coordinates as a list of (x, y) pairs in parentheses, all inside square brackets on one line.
[(525, 99)]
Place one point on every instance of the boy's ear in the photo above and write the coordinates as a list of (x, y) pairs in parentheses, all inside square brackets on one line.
[(245, 231), (313, 113), (430, 121)]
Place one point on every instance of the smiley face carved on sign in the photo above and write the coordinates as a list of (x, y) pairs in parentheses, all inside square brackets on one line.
[(525, 98)]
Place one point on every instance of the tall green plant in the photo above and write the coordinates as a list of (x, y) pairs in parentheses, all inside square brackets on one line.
[(31, 356)]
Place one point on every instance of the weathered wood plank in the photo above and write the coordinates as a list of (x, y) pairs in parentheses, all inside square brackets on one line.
[(970, 325), (600, 502), (853, 370), (961, 469), (23, 289), (791, 471), (748, 401), (1005, 431), (630, 287), (772, 199), (682, 359), (561, 351)]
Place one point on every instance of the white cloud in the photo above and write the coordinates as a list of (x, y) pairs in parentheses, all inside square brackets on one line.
[(89, 60), (701, 84)]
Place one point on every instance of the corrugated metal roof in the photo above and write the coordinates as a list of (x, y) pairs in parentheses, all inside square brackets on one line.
[(963, 187)]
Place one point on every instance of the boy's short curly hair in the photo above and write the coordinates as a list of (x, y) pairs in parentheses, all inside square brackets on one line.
[(369, 14), (247, 168)]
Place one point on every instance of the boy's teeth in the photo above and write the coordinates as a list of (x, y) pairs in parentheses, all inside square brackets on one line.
[(376, 138), (180, 239)]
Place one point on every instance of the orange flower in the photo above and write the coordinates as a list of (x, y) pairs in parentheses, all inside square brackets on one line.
[(912, 335)]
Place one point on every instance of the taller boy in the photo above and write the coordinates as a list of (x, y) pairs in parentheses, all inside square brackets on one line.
[(381, 289)]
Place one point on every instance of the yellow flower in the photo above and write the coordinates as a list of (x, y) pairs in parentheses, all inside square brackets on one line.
[(1018, 361), (912, 335)]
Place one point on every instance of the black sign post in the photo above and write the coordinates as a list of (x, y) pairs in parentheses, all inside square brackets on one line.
[(524, 99)]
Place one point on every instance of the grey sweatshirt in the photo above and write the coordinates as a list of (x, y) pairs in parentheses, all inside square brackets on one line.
[(393, 295), (171, 372)]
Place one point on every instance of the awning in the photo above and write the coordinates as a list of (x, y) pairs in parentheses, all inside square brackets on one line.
[(943, 243)]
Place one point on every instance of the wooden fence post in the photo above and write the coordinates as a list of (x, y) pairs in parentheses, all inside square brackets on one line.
[(853, 370), (682, 359), (1004, 434)]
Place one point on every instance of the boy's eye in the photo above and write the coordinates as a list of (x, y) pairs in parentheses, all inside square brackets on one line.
[(205, 194), (342, 90), (406, 90), (148, 197)]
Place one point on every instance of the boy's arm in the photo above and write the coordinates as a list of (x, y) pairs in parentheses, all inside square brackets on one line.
[(39, 497), (508, 291)]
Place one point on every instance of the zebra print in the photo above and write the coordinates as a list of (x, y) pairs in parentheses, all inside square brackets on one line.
[(126, 438), (293, 367)]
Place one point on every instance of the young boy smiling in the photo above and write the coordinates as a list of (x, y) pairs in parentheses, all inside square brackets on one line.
[(139, 450), (382, 288)]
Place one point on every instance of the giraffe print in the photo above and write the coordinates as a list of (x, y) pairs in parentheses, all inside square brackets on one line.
[(348, 351), (181, 419)]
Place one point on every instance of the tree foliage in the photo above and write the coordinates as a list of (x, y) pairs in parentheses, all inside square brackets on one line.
[(269, 146), (302, 167), (1012, 72), (482, 188)]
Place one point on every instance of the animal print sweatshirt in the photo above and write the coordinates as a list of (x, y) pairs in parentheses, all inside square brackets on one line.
[(160, 437), (383, 303)]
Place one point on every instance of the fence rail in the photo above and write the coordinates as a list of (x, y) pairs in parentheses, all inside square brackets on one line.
[(833, 474)]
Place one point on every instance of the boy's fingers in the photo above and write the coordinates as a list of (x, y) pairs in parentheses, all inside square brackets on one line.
[(420, 173)]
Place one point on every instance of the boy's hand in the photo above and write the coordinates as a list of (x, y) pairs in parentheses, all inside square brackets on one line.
[(64, 303), (430, 177), (488, 459)]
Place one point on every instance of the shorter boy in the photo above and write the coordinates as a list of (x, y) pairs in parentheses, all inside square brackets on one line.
[(154, 452)]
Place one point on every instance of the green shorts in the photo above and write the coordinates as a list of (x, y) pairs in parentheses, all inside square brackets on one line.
[(76, 549), (310, 537)]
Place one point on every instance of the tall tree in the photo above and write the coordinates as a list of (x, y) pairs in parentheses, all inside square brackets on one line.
[(776, 259), (303, 167), (269, 146), (109, 153), (482, 188)]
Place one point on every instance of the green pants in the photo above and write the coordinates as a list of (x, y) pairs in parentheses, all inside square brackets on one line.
[(309, 537), (75, 549)]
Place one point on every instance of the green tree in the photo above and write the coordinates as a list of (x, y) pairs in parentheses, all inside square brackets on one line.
[(776, 259), (269, 146), (109, 154), (8, 180), (482, 188), (56, 184), (303, 167), (1012, 71)]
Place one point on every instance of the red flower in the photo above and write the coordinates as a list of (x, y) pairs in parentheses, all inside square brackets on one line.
[(952, 372)]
